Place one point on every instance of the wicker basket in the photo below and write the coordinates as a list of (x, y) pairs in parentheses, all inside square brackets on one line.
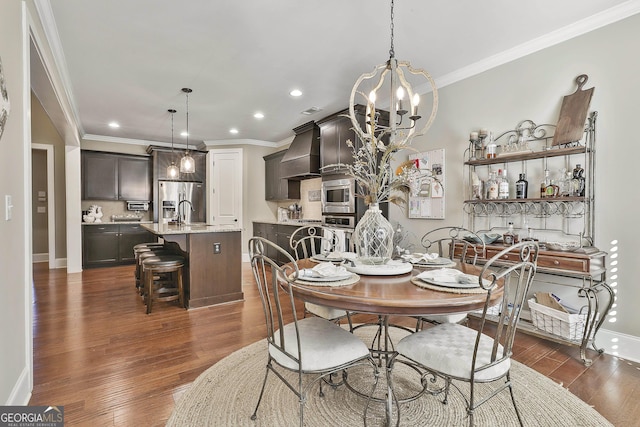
[(565, 325)]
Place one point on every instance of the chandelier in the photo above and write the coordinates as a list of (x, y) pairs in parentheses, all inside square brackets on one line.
[(172, 170), (395, 79), (187, 164)]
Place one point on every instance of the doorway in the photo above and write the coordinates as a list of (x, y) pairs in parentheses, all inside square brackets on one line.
[(43, 204)]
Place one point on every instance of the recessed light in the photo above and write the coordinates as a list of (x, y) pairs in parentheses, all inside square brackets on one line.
[(258, 115), (296, 92), (184, 133), (114, 125), (233, 130)]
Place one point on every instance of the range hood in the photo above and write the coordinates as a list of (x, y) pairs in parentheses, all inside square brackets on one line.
[(302, 159)]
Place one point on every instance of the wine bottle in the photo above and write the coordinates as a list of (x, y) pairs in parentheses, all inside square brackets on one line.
[(522, 187), (503, 184)]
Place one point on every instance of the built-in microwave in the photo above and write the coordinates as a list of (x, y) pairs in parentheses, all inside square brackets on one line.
[(339, 196)]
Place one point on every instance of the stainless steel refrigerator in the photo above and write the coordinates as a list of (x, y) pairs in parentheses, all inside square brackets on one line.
[(171, 193)]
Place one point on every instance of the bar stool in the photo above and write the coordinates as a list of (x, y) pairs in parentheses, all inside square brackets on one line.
[(162, 275), (139, 249)]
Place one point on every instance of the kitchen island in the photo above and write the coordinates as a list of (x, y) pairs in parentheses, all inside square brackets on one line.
[(213, 273)]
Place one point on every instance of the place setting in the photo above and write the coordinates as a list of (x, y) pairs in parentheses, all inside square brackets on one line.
[(428, 260), (450, 280), (326, 274)]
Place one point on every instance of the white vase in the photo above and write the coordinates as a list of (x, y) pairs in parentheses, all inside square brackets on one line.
[(373, 237)]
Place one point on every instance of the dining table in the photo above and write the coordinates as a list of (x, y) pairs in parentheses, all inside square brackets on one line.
[(385, 295)]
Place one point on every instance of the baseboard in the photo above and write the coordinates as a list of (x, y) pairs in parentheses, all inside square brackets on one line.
[(44, 257), (21, 393), (60, 263), (622, 345)]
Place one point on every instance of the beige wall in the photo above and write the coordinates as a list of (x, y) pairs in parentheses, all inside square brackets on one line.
[(44, 132), (532, 88), (16, 377)]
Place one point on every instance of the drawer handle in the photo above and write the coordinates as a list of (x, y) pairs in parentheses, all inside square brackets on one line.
[(556, 262)]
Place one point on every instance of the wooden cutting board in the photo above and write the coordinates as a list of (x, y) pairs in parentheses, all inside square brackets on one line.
[(573, 114)]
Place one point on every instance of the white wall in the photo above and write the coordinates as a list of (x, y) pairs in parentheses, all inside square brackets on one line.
[(532, 88), (16, 376)]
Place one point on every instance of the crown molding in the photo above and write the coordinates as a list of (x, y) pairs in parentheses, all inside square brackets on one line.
[(130, 141), (55, 64), (553, 38)]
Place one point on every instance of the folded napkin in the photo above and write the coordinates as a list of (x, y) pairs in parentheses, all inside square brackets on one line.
[(419, 257), (335, 255), (448, 275), (325, 269)]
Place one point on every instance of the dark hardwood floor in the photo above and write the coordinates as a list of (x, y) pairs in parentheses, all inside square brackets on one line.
[(97, 353)]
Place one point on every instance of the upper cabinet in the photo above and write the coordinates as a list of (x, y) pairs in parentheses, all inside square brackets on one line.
[(335, 131), (277, 188), (110, 176)]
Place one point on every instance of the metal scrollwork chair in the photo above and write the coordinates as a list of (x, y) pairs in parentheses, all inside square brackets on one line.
[(453, 243), (457, 352), (313, 240), (312, 347)]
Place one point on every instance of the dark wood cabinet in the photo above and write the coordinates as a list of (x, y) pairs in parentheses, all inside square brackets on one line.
[(134, 178), (99, 176), (335, 131), (111, 244), (275, 187), (111, 176), (280, 234)]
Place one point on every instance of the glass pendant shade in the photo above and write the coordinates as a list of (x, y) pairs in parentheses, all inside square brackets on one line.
[(173, 171), (187, 164)]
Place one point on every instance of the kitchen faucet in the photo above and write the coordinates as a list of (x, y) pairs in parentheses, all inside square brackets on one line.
[(180, 217)]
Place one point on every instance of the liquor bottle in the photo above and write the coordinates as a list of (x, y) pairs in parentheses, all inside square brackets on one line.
[(522, 187), (492, 147), (546, 182), (503, 184), (578, 182), (509, 237), (492, 186)]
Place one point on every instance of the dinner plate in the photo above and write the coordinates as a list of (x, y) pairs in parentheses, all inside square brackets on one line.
[(390, 269), (326, 258), (434, 262), (309, 275), (450, 283)]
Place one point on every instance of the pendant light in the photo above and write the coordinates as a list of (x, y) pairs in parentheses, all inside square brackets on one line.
[(173, 172), (187, 164), (390, 82)]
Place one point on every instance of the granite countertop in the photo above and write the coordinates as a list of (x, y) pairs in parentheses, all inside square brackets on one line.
[(116, 222), (164, 228)]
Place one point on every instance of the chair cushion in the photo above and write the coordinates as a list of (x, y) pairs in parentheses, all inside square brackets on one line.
[(324, 345), (325, 312), (448, 348)]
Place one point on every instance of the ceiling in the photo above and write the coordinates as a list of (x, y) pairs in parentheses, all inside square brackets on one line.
[(127, 61)]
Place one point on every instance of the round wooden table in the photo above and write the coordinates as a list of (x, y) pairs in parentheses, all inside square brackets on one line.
[(393, 295), (385, 296)]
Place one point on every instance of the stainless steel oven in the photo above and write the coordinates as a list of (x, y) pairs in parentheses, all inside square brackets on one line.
[(339, 196)]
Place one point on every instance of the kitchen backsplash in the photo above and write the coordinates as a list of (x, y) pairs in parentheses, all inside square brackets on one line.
[(309, 199), (111, 207)]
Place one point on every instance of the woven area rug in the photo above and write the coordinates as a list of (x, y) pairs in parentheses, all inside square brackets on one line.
[(226, 394)]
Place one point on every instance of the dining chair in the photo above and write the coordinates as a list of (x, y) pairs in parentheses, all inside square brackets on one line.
[(313, 240), (482, 355), (455, 243), (312, 347)]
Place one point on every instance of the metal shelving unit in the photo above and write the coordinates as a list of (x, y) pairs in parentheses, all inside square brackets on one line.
[(551, 219)]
